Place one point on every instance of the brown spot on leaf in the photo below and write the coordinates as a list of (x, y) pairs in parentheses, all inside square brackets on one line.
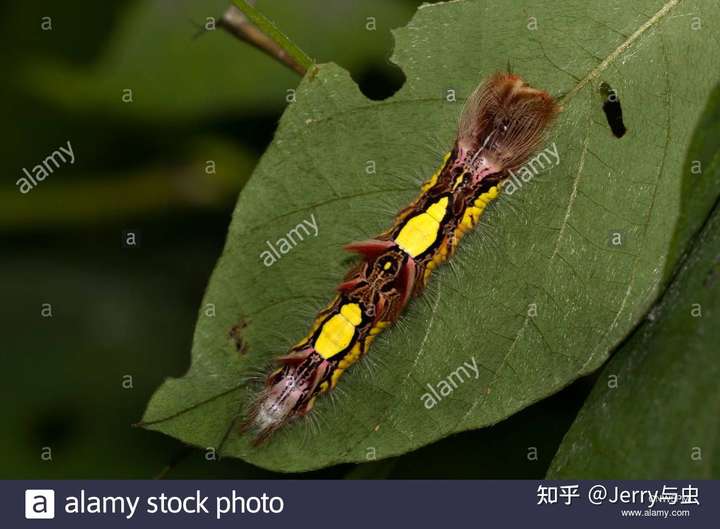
[(235, 334)]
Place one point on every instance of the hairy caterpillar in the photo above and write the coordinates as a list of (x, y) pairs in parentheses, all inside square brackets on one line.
[(502, 124)]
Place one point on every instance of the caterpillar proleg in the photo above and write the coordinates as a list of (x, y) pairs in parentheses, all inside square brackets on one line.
[(502, 124)]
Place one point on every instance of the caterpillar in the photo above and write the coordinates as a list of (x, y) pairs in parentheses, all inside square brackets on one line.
[(502, 123)]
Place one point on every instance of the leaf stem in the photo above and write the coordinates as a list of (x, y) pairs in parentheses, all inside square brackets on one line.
[(245, 22)]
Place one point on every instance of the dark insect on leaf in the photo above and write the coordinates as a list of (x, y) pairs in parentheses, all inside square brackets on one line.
[(613, 110)]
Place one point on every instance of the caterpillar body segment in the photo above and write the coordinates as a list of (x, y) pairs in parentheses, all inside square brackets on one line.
[(502, 124)]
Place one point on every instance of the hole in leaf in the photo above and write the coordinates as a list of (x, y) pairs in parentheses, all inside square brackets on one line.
[(380, 81), (613, 110)]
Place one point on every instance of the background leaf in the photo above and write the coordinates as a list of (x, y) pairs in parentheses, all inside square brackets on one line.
[(547, 246), (661, 421)]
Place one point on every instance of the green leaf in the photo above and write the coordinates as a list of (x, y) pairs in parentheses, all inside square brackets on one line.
[(654, 412), (700, 189), (537, 297)]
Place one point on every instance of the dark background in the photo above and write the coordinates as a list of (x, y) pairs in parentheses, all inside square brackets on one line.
[(120, 312)]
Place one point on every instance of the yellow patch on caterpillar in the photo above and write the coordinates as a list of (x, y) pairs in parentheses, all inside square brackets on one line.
[(338, 332), (433, 179), (336, 377), (439, 258), (438, 209), (352, 313), (469, 220), (421, 231), (472, 214), (379, 327), (355, 354), (316, 324), (459, 180), (346, 362), (487, 197)]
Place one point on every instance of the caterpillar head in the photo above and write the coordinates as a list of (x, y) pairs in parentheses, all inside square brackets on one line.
[(503, 122)]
